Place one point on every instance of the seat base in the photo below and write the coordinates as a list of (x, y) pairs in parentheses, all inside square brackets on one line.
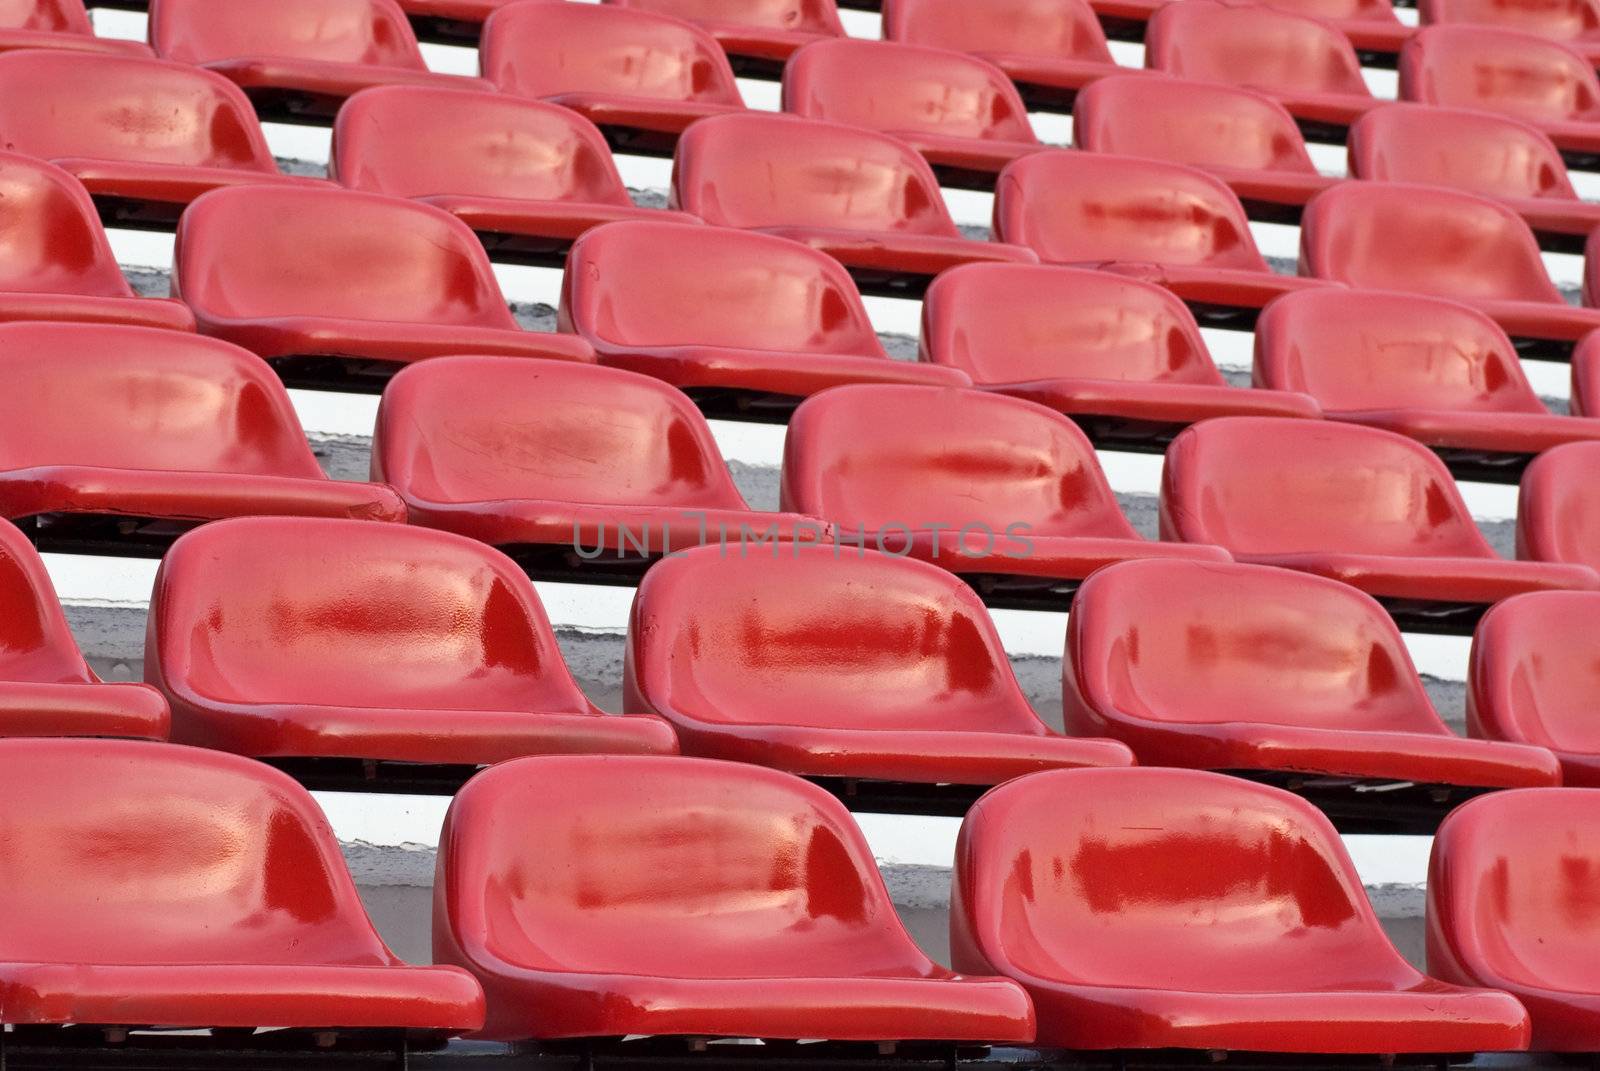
[(639, 125), (1491, 447), (311, 91), (540, 232), (967, 163), (901, 264)]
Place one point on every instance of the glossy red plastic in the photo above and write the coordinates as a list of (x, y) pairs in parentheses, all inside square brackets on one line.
[(761, 29), (468, 12), (711, 307), (154, 885), (1584, 399), (960, 112), (1156, 909), (1558, 510), (836, 663), (1370, 25), (46, 687), (55, 260), (1244, 667), (864, 198), (607, 896), (1591, 277), (1084, 343), (972, 481), (301, 637), (290, 271), (57, 24), (1575, 22), (1363, 505)]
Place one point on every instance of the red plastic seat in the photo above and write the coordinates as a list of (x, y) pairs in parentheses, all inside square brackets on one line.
[(1236, 667), (864, 198), (57, 24), (905, 681), (1585, 396), (1363, 505), (153, 885), (766, 31), (1178, 909), (46, 687), (960, 112), (599, 897), (1242, 137), (977, 483), (294, 637), (456, 21), (1123, 358), (55, 261), (296, 59), (1157, 221), (639, 76), (527, 176), (714, 311), (367, 280), (1304, 63), (1370, 25), (1574, 22), (1558, 510)]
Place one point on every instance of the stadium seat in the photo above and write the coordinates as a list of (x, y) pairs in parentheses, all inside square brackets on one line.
[(338, 287), (1495, 69), (1434, 370), (1161, 222), (1304, 63), (1508, 887), (978, 483), (758, 35), (960, 112), (1180, 909), (1244, 667), (746, 323), (592, 58), (598, 897), (527, 176), (1574, 22), (1244, 138), (295, 637), (57, 24), (1123, 358), (154, 885), (1585, 396), (1371, 25), (456, 22), (46, 687), (144, 136), (1591, 272), (55, 260), (1558, 509), (905, 681), (297, 60), (1363, 505), (864, 198)]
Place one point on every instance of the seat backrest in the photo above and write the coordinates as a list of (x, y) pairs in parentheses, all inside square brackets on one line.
[(1173, 641), (797, 16), (51, 241), (369, 32), (257, 252), (895, 87), (269, 610), (891, 458), (1560, 20), (1558, 509), (544, 49), (1248, 45), (420, 141), (1164, 879), (1259, 485), (55, 16), (134, 853), (1355, 350), (1202, 124), (1584, 399), (1422, 240), (1535, 670), (1339, 10), (812, 637), (683, 867), (1494, 69), (1065, 29), (1019, 323), (660, 284), (1479, 152), (1089, 208), (747, 169), (35, 642)]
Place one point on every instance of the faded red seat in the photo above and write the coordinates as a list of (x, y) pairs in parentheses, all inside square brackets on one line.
[(1228, 667), (1179, 909), (1370, 25), (960, 112), (741, 320), (46, 687), (295, 637), (153, 885), (563, 885), (455, 21), (1576, 23), (639, 76), (296, 59), (1585, 396), (1123, 358), (864, 198), (732, 649), (1363, 505), (527, 176), (1591, 272), (1244, 138), (301, 275), (1558, 510), (57, 24), (765, 31)]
